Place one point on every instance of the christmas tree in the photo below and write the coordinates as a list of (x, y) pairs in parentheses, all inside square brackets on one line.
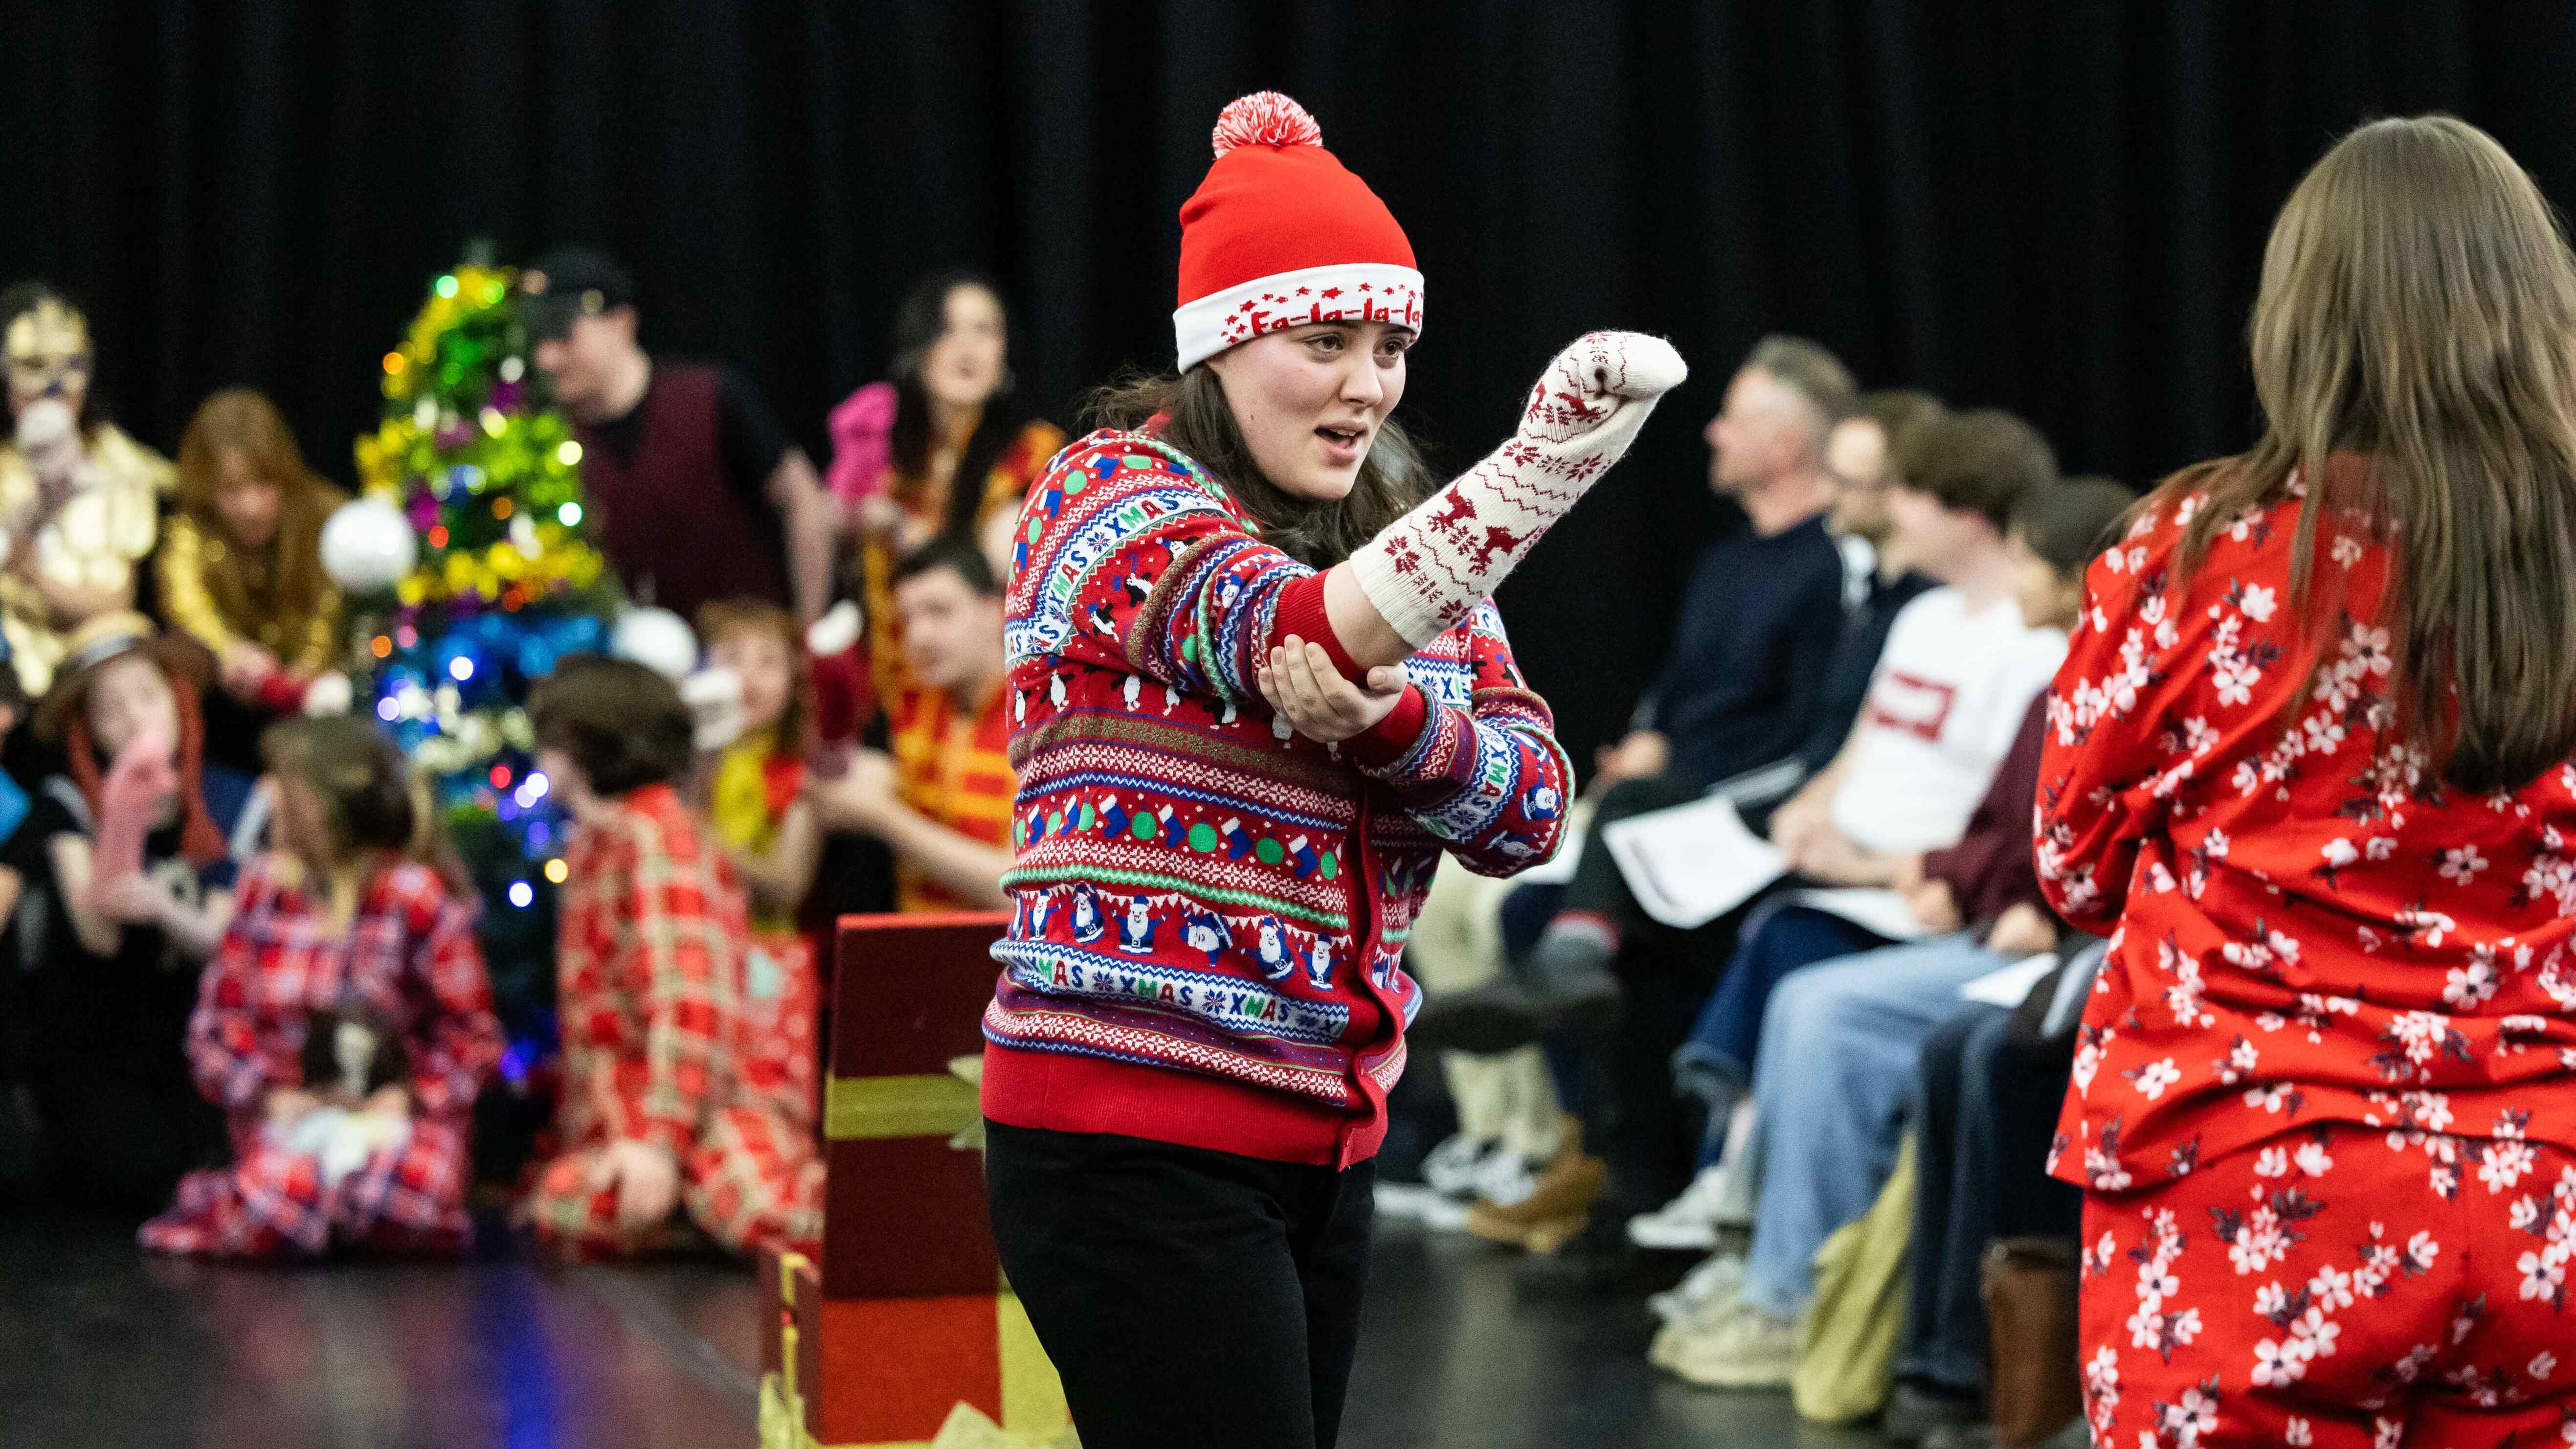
[(478, 484)]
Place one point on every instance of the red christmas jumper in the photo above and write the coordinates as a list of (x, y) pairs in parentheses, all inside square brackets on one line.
[(1209, 909)]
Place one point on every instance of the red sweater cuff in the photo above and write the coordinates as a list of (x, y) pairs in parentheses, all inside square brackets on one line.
[(1301, 612), (1386, 741)]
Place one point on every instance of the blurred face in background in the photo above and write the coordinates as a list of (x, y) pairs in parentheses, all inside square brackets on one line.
[(1856, 454), (1935, 537), (952, 635), (1310, 400), (49, 356), (963, 369), (1764, 429), (2049, 597), (247, 500), (585, 363), (129, 698), (760, 659)]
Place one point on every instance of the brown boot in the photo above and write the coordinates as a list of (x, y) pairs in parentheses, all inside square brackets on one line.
[(1557, 1206)]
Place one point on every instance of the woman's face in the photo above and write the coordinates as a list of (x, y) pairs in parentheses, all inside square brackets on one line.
[(2049, 599), (759, 658), (247, 500), (1310, 400), (128, 699), (963, 369)]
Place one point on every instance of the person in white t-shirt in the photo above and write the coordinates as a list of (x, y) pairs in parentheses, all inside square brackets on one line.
[(1959, 670)]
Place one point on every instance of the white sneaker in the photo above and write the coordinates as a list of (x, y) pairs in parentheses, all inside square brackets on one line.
[(1451, 1168), (1750, 1351), (1711, 1285), (1505, 1178), (1689, 1222)]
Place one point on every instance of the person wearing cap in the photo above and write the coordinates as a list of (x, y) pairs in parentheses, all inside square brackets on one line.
[(131, 855), (1259, 688), (694, 492)]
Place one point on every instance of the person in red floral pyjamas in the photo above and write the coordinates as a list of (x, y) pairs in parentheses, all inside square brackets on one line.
[(2309, 759), (650, 958), (344, 1024), (1258, 689)]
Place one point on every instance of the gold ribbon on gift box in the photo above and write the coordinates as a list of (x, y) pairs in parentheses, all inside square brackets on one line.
[(866, 1108)]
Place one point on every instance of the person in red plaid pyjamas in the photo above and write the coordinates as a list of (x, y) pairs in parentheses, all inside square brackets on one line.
[(344, 1025), (651, 953)]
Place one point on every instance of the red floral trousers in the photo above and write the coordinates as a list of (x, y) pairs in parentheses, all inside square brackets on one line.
[(2345, 1287)]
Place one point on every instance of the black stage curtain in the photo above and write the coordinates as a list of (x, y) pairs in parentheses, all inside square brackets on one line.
[(2056, 208)]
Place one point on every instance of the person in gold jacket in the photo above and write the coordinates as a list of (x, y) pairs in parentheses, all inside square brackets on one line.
[(78, 498)]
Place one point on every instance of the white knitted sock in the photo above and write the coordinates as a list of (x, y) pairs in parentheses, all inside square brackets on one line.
[(1437, 562)]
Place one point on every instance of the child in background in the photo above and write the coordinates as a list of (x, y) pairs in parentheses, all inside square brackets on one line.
[(240, 566), (345, 1024), (134, 869), (656, 1113), (768, 831)]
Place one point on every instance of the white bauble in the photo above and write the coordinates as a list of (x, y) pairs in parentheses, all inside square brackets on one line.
[(657, 639), (367, 545)]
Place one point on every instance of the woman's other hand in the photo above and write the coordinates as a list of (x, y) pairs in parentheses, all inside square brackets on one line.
[(1302, 687)]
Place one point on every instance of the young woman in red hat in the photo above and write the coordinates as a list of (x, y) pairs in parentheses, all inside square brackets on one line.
[(2308, 759), (1260, 687)]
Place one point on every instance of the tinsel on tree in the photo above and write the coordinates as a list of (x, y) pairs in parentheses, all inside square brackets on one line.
[(488, 480)]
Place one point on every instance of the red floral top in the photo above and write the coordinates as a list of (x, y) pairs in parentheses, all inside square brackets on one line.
[(2309, 926)]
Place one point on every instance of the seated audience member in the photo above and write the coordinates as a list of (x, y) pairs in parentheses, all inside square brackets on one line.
[(656, 1114), (1972, 881), (767, 829), (1840, 1039), (344, 1025), (1867, 453), (1986, 1104), (240, 567), (1739, 689), (132, 872), (942, 800), (1514, 1172), (944, 448), (79, 499)]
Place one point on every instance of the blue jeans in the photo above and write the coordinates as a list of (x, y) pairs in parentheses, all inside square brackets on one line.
[(1717, 1063), (1841, 1046)]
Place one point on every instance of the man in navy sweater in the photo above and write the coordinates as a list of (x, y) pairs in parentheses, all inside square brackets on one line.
[(1741, 689)]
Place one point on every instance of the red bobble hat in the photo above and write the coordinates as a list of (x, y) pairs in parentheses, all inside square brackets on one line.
[(1280, 235)]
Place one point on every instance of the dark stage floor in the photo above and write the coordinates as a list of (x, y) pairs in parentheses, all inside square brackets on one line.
[(103, 1348)]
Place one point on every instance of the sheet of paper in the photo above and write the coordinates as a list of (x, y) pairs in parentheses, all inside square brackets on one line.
[(2009, 985), (1869, 908), (1692, 863)]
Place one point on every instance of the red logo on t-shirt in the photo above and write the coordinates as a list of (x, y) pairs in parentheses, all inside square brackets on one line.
[(1917, 706)]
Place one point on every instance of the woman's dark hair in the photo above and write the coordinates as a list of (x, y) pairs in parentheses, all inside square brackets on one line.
[(1198, 421), (370, 799), (623, 724), (23, 298), (919, 322)]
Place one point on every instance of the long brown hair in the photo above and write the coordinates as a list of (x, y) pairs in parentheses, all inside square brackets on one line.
[(2418, 307), (1199, 422), (240, 420), (375, 806)]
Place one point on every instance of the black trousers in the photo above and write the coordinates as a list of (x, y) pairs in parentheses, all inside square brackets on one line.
[(1189, 1298), (1988, 1109)]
